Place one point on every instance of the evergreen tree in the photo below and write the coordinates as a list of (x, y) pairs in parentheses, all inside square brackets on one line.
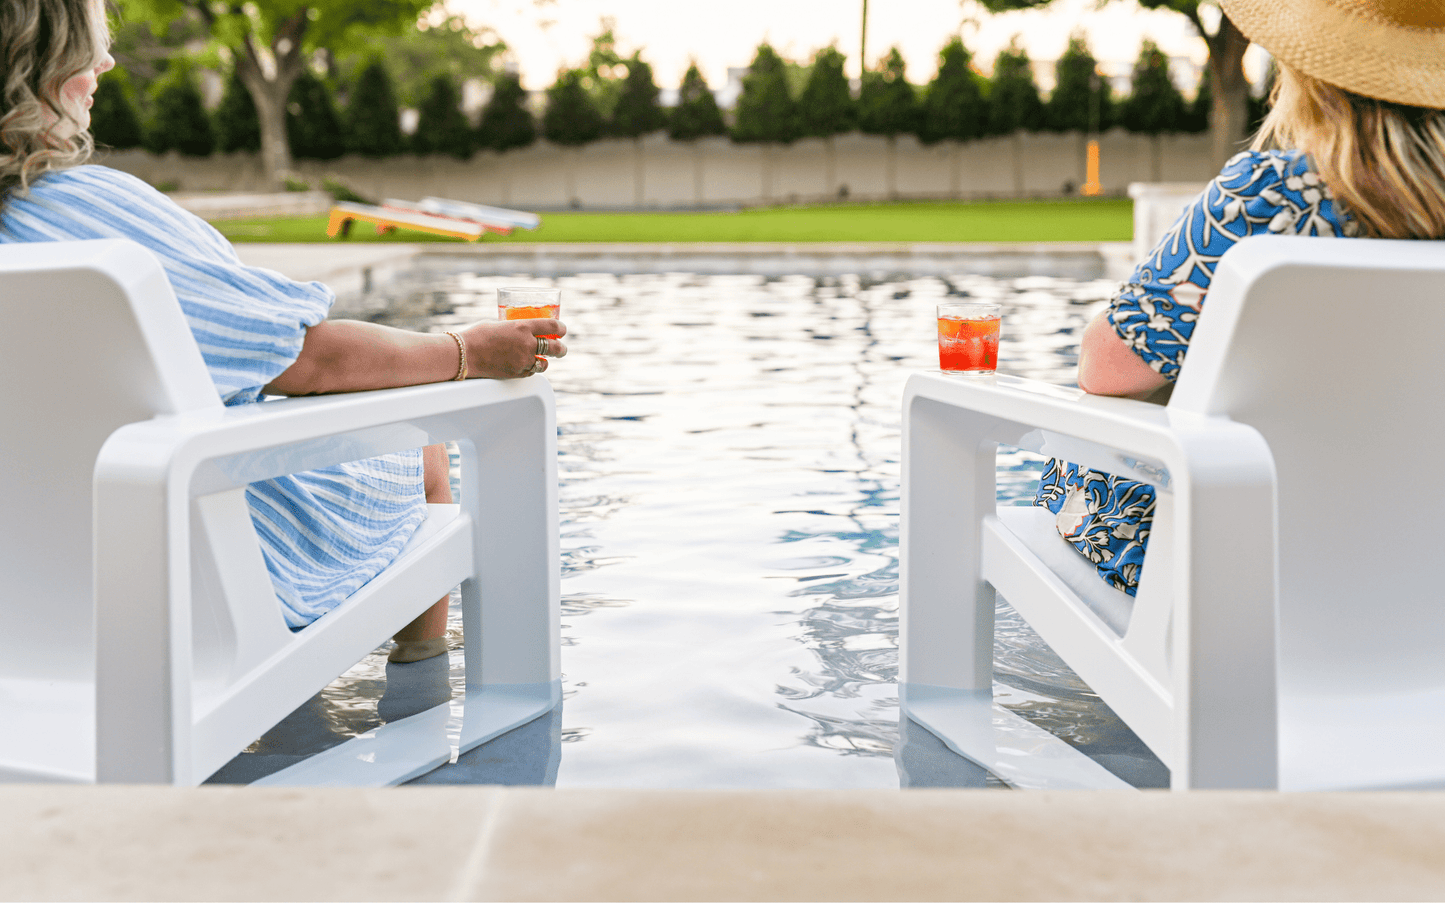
[(506, 121), (114, 122), (238, 128), (1081, 101), (441, 127), (887, 103), (313, 128), (572, 118), (1155, 104), (696, 114), (1196, 115), (180, 121), (602, 77), (1013, 101), (953, 106), (766, 111), (825, 106), (373, 122), (637, 112)]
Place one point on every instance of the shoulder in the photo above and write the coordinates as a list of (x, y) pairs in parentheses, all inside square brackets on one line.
[(1277, 192), (100, 183), (1259, 169)]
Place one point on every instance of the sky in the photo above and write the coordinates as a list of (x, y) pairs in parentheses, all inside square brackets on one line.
[(546, 35)]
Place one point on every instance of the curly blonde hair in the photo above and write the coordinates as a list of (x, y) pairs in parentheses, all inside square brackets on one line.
[(1384, 162), (43, 44)]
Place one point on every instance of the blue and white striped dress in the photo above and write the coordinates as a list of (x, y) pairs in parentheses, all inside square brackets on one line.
[(324, 533)]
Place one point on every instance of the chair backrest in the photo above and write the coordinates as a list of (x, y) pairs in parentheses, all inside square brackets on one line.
[(94, 340), (1330, 349)]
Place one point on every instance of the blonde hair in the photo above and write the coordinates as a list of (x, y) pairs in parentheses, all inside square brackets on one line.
[(43, 44), (1384, 162)]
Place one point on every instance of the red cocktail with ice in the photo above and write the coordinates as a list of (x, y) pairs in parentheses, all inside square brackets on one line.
[(968, 338)]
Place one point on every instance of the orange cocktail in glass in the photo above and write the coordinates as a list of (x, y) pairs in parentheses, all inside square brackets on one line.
[(968, 338), (528, 303)]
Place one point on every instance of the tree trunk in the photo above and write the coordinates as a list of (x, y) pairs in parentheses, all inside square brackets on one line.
[(1229, 116), (268, 75)]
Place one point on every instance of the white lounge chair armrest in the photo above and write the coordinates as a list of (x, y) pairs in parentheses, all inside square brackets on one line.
[(1130, 438), (231, 447)]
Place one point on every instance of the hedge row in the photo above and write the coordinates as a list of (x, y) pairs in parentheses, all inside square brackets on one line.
[(960, 103)]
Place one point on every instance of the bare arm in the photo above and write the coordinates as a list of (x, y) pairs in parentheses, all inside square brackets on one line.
[(1107, 366), (352, 356)]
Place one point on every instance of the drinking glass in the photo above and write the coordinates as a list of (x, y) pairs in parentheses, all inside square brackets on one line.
[(968, 338), (525, 302)]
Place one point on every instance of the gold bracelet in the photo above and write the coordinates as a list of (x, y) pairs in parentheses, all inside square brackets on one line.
[(462, 353)]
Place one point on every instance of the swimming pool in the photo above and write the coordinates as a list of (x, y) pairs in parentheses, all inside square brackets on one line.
[(728, 452)]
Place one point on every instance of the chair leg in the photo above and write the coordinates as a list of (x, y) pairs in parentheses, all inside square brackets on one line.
[(511, 607), (946, 608)]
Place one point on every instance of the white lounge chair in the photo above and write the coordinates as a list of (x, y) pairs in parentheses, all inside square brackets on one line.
[(1289, 629), (144, 642)]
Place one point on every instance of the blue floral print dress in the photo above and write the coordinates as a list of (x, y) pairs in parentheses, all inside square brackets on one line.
[(1258, 192)]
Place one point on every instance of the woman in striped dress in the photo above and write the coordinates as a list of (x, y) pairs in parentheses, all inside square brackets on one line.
[(324, 533)]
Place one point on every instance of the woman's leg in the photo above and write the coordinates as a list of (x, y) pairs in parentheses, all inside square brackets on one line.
[(425, 637)]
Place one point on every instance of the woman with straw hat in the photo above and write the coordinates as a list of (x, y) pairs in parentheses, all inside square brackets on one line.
[(1353, 146)]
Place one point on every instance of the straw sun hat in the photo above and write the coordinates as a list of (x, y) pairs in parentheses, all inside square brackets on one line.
[(1387, 49)]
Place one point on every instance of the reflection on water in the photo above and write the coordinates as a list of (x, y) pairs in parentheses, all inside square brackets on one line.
[(729, 459)]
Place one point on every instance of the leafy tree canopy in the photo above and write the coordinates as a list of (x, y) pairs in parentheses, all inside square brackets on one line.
[(506, 121), (766, 112), (145, 50), (1081, 100), (696, 114), (271, 42), (954, 105), (887, 104), (1014, 99), (418, 55), (825, 105), (338, 25)]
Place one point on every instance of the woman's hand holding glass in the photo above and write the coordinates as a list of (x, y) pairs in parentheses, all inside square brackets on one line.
[(510, 349)]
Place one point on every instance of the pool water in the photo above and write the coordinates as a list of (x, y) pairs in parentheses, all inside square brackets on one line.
[(729, 463)]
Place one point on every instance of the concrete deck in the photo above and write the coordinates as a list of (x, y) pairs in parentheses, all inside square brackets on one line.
[(488, 843)]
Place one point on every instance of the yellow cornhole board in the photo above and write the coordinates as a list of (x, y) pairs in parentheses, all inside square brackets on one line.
[(389, 219)]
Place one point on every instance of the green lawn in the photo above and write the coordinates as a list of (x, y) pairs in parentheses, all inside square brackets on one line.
[(1092, 219)]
